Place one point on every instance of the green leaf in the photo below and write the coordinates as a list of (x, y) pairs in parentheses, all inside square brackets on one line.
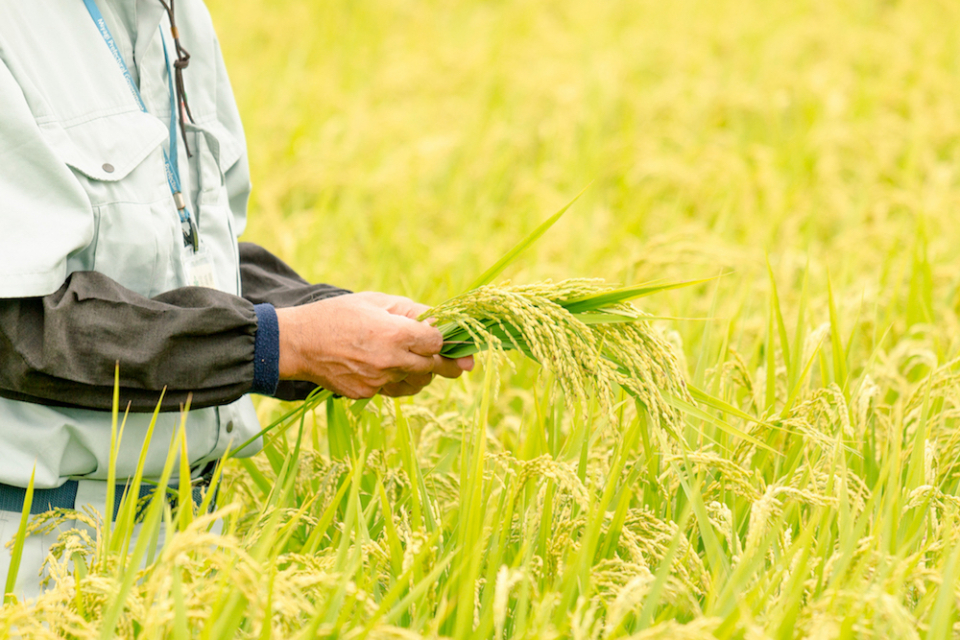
[(800, 334), (487, 276), (798, 385), (312, 544), (316, 398), (944, 610), (713, 402), (340, 435), (126, 514), (18, 541), (836, 343), (718, 561), (652, 599), (771, 362), (620, 317), (778, 314), (609, 298), (697, 412), (127, 572)]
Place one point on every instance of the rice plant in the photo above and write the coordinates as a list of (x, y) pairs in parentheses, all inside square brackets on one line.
[(793, 470)]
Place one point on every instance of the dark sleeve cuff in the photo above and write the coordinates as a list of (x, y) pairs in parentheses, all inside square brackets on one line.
[(266, 351), (264, 278)]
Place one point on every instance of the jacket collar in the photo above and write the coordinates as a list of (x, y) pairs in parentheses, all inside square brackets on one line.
[(150, 13)]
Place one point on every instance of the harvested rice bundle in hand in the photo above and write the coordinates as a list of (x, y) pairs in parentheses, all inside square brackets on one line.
[(582, 330)]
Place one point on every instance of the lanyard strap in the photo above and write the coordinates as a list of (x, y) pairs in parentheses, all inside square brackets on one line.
[(173, 168), (191, 235)]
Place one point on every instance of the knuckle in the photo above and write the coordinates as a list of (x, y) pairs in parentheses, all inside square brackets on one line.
[(382, 380), (359, 391), (392, 333)]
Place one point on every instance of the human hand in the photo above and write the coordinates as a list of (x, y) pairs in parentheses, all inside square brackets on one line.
[(361, 344)]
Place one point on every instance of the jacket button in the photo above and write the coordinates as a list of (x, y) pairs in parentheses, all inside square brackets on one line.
[(107, 167), (230, 427)]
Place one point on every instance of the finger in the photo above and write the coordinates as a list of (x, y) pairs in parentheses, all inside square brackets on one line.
[(446, 367), (419, 379), (424, 339), (410, 363), (358, 391), (400, 389), (406, 307), (415, 310)]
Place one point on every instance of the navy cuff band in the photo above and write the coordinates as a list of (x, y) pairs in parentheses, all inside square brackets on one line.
[(266, 351)]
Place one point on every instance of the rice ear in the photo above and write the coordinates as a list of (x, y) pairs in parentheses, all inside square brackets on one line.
[(581, 330)]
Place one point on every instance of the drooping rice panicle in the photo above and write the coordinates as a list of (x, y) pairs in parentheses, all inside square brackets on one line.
[(562, 326)]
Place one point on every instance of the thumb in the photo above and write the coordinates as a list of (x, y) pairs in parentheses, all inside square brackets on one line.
[(425, 340)]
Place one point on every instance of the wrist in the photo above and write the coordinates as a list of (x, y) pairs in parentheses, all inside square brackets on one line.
[(288, 367)]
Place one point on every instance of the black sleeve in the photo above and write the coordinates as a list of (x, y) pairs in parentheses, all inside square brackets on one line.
[(264, 278), (62, 349)]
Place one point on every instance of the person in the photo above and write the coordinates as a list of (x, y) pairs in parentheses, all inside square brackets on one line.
[(123, 189)]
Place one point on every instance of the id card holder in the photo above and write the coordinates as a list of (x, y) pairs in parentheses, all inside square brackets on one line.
[(198, 269)]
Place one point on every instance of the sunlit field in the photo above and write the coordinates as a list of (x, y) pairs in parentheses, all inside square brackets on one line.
[(806, 152)]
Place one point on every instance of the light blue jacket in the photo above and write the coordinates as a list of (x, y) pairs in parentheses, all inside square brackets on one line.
[(83, 187)]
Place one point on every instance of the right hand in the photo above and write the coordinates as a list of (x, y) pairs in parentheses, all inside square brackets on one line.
[(361, 344)]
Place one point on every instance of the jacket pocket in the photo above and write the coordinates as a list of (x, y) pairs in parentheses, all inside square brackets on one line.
[(118, 160)]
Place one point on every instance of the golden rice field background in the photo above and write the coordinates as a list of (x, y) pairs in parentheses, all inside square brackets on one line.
[(405, 146)]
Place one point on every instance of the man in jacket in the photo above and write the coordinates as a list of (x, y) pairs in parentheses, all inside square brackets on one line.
[(123, 187)]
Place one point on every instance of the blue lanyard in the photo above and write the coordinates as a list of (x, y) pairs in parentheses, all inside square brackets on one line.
[(191, 235)]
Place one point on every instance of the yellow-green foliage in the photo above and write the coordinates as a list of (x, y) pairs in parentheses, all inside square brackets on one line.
[(809, 149)]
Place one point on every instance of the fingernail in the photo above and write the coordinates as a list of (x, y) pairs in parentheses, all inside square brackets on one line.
[(466, 364)]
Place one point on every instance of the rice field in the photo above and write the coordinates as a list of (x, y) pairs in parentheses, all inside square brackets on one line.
[(791, 467)]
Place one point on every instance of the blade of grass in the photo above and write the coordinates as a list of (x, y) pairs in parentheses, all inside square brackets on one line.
[(128, 508), (129, 573), (609, 298), (393, 540), (778, 313), (798, 384), (652, 598), (19, 540), (800, 334), (316, 397), (836, 342), (727, 428), (312, 545), (945, 609), (112, 463), (487, 276), (770, 362)]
